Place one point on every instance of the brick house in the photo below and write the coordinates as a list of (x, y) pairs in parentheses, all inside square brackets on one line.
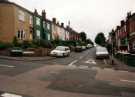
[(15, 21), (123, 36), (46, 27), (131, 30)]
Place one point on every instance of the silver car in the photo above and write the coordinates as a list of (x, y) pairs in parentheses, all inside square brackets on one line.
[(60, 51), (101, 52)]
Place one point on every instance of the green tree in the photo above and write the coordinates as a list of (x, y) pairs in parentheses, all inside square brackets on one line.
[(100, 39), (83, 36)]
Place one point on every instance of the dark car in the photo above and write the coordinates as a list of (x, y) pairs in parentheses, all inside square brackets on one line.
[(16, 51), (78, 49)]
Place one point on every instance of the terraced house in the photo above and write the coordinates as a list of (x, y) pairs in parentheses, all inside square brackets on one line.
[(15, 21), (37, 24), (125, 35), (131, 31)]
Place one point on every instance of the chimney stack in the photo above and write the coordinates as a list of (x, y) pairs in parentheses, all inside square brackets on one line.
[(35, 12), (118, 27), (54, 20), (58, 23), (44, 14), (122, 23), (129, 15), (62, 24)]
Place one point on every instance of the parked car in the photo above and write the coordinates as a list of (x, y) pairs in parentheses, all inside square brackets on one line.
[(101, 52), (78, 48), (60, 51), (89, 46), (16, 51), (83, 47)]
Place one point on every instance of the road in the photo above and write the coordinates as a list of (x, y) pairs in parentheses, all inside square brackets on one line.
[(80, 75)]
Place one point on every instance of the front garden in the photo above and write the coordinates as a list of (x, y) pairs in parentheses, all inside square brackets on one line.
[(36, 47)]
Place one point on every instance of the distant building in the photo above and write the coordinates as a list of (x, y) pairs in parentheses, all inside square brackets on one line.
[(15, 21)]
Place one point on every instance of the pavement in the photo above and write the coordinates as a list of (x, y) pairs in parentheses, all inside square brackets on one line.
[(118, 65), (80, 75)]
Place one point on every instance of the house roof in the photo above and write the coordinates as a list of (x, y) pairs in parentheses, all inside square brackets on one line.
[(7, 2)]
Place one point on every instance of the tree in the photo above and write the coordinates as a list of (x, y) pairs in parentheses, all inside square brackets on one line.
[(100, 39), (83, 36)]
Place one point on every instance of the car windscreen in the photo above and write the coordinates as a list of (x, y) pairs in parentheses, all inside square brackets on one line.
[(101, 50), (60, 48)]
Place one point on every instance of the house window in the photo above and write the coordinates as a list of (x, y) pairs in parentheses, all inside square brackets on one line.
[(21, 15), (38, 34), (44, 24), (31, 20), (38, 21), (49, 38), (48, 26), (21, 34)]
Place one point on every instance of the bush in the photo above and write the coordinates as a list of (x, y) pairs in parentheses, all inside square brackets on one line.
[(26, 44), (42, 43), (15, 42)]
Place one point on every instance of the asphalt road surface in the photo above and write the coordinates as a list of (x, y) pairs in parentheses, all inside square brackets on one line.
[(83, 74)]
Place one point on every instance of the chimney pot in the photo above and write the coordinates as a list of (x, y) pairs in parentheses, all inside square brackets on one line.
[(62, 24), (122, 23), (35, 12), (54, 20)]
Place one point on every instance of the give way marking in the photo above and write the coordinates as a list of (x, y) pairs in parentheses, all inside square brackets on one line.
[(72, 63), (91, 61)]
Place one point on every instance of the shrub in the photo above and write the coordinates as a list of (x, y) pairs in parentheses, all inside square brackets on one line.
[(5, 45), (42, 43), (26, 44), (15, 42)]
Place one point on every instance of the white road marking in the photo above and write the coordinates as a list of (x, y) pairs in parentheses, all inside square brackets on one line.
[(91, 61), (72, 63), (10, 95), (9, 66), (83, 67), (105, 62), (130, 81)]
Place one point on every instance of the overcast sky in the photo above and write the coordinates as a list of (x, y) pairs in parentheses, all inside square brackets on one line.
[(91, 16)]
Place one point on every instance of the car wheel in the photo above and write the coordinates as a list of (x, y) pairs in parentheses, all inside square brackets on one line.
[(63, 55)]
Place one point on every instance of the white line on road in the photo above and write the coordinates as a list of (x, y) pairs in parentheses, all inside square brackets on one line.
[(91, 61), (10, 95), (8, 66), (130, 81), (72, 63)]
